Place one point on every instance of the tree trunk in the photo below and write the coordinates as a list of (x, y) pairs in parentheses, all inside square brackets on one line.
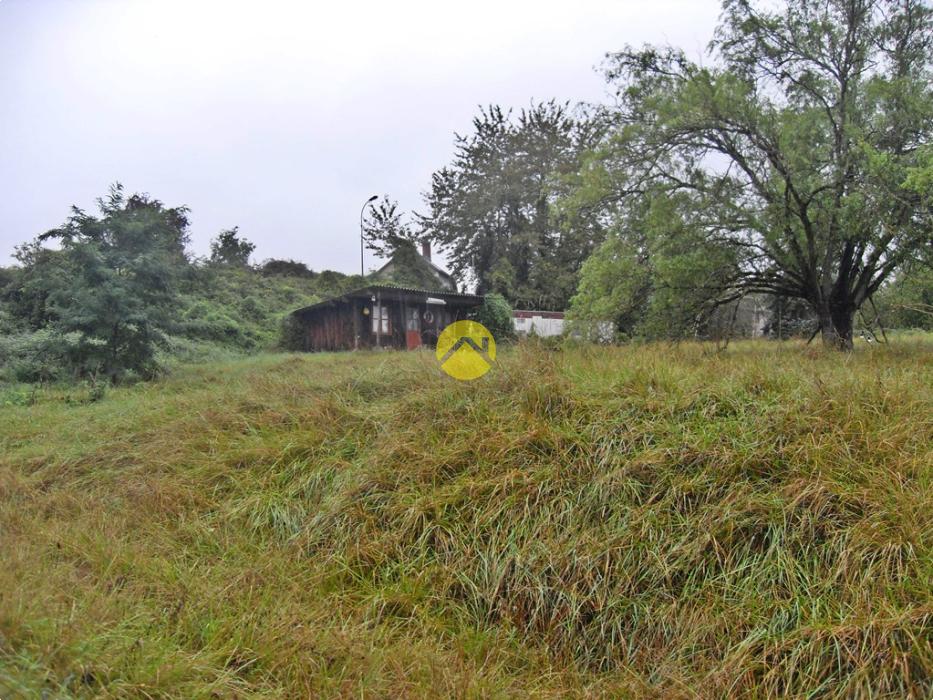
[(836, 326)]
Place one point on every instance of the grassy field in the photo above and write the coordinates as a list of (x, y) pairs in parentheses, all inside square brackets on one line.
[(638, 522)]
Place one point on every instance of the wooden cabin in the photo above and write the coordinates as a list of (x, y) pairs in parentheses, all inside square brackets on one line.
[(382, 316)]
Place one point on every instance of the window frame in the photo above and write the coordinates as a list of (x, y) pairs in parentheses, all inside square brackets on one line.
[(380, 316)]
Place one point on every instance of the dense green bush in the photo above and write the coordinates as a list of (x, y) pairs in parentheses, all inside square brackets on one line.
[(496, 314), (111, 283), (288, 268), (204, 320), (37, 356), (220, 311)]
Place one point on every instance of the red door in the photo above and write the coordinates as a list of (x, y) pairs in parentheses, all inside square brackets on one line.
[(413, 329)]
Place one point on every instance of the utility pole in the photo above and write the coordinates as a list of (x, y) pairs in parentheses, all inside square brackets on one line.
[(365, 204)]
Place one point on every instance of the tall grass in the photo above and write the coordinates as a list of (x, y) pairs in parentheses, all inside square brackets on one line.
[(641, 521)]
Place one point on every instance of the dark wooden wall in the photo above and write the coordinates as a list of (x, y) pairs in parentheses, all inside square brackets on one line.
[(330, 328), (336, 327)]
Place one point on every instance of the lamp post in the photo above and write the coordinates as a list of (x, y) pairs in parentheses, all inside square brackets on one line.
[(365, 204)]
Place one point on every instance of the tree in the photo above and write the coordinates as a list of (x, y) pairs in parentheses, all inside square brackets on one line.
[(112, 283), (384, 229), (655, 275), (230, 249), (614, 287), (491, 208), (803, 149), (26, 296)]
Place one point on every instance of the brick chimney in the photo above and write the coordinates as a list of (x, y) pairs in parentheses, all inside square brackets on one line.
[(426, 249)]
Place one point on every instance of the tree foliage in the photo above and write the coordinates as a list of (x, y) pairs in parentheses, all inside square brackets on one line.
[(118, 295), (491, 208), (655, 275), (802, 149), (229, 248), (112, 284), (286, 268), (385, 229)]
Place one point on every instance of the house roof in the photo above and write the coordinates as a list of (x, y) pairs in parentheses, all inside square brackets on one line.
[(395, 291), (414, 268), (422, 260)]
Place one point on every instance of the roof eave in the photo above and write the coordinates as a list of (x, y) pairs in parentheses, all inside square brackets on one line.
[(368, 289)]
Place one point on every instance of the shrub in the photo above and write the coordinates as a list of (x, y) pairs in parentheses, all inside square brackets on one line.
[(292, 334), (38, 356), (496, 314)]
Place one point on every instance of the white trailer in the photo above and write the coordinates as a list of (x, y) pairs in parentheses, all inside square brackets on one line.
[(540, 323)]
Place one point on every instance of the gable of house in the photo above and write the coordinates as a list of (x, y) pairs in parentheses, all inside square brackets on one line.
[(407, 267)]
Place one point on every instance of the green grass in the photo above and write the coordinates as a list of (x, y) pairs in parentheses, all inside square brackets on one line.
[(641, 521)]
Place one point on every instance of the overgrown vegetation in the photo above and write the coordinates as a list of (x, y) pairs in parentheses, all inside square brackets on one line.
[(120, 297), (796, 163), (106, 295), (748, 520), (496, 314), (648, 521), (793, 160), (908, 301)]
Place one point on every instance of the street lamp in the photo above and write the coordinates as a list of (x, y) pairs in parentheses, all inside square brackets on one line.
[(365, 204)]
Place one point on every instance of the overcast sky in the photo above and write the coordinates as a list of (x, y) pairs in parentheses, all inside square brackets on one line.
[(282, 117)]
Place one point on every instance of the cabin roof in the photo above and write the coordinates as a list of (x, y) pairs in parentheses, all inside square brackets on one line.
[(394, 293)]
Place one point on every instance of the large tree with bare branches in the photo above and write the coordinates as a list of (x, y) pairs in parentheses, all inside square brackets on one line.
[(804, 147)]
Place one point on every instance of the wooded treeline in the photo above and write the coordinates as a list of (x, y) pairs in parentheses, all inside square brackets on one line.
[(795, 163), (793, 168), (119, 292)]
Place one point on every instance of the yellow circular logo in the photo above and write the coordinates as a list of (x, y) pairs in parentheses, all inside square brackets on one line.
[(466, 350)]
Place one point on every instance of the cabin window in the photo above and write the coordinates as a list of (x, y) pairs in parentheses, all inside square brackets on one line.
[(380, 317), (413, 322)]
